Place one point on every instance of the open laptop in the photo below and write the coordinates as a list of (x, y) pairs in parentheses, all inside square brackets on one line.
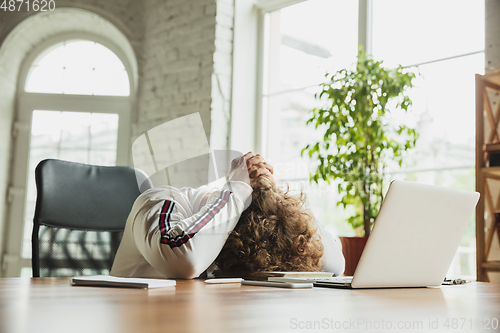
[(414, 239)]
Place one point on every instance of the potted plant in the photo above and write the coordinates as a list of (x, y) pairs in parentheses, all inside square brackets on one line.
[(358, 140)]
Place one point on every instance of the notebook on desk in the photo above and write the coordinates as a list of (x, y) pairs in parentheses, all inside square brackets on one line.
[(120, 282), (414, 239)]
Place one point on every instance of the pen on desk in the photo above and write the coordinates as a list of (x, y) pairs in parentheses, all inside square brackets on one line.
[(218, 281)]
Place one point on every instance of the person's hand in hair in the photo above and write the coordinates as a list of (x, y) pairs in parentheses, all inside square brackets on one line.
[(257, 166), (249, 165)]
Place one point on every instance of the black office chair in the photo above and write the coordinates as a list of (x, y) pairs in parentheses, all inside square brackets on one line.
[(80, 214)]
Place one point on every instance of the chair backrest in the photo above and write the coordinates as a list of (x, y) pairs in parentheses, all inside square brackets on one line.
[(80, 214)]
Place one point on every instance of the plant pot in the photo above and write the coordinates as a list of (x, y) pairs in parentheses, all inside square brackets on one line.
[(352, 247)]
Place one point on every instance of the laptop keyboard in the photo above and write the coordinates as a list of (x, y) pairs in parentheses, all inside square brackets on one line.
[(335, 279)]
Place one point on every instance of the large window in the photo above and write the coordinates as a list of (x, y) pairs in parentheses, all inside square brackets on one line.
[(82, 137), (75, 106), (302, 42), (445, 39)]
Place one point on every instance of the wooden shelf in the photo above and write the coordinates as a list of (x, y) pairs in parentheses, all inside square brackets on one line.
[(492, 147), (493, 172), (492, 78), (487, 116), (491, 265)]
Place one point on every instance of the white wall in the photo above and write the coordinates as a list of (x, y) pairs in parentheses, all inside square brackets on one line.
[(492, 35)]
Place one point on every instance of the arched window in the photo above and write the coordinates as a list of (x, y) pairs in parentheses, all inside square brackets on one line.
[(74, 104), (78, 67)]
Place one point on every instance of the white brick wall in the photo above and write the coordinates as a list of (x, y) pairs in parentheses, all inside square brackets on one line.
[(492, 35), (177, 62)]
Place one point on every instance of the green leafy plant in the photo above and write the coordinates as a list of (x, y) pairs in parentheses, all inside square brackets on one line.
[(358, 140)]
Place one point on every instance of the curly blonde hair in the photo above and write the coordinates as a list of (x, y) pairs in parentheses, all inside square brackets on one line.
[(275, 233)]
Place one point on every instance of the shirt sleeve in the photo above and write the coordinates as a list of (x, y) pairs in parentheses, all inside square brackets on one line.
[(333, 259), (181, 246)]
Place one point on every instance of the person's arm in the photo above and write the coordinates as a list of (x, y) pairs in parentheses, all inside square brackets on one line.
[(333, 259), (184, 248)]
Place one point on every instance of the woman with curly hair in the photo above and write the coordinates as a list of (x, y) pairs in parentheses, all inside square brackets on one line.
[(278, 233), (179, 233)]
